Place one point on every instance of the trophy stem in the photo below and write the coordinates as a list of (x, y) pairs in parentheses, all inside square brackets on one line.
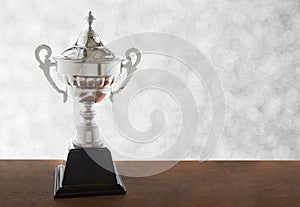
[(87, 131)]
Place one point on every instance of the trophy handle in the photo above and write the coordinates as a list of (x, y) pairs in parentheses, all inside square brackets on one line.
[(131, 68), (45, 66)]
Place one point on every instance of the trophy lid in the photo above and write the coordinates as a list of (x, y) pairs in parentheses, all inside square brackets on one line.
[(88, 48)]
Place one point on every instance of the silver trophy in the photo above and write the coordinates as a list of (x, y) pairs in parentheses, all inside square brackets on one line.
[(91, 73)]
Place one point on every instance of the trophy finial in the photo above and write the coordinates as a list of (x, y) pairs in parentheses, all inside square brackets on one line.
[(89, 38), (90, 20)]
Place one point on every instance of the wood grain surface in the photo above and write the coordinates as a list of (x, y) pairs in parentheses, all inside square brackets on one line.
[(189, 183)]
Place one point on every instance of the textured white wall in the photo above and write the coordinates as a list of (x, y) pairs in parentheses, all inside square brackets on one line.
[(253, 45)]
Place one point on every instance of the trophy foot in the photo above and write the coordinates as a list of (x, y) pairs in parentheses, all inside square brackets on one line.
[(76, 144), (88, 172)]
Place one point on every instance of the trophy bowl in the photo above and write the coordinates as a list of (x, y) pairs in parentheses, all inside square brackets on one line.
[(91, 73)]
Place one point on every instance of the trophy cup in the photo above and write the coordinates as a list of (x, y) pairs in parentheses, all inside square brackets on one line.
[(91, 74)]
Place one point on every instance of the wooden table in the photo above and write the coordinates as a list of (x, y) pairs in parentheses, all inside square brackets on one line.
[(189, 183)]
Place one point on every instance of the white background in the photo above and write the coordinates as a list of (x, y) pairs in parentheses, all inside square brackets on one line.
[(253, 45)]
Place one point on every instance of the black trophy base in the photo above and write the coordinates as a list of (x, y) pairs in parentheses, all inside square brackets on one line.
[(88, 172)]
